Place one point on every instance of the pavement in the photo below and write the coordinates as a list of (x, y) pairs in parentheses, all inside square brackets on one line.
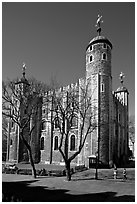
[(82, 188)]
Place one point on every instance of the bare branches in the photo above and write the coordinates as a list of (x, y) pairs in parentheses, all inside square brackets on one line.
[(74, 104)]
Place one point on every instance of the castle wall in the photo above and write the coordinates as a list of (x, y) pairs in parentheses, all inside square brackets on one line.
[(108, 141)]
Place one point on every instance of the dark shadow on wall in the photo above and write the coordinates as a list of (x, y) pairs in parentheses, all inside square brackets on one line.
[(21, 191)]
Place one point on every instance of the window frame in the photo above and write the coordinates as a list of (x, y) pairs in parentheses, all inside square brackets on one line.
[(42, 144), (56, 119), (76, 123), (90, 47), (72, 146), (104, 45), (56, 143), (102, 87), (90, 58), (43, 122), (103, 56)]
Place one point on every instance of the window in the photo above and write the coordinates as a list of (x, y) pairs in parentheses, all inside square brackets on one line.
[(91, 48), (42, 143), (104, 56), (104, 46), (102, 87), (74, 122), (72, 143), (56, 143), (44, 111), (43, 125), (57, 123), (10, 141), (90, 58)]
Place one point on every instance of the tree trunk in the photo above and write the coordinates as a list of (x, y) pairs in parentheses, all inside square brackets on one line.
[(68, 173), (30, 155), (32, 163)]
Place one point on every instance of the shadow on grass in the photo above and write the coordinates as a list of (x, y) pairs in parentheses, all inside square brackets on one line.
[(21, 191)]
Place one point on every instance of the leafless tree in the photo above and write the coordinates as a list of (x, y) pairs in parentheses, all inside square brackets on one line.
[(4, 136), (132, 130), (22, 105), (73, 105)]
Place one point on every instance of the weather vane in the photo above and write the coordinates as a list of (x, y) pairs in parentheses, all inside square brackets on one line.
[(23, 69), (98, 24), (121, 76)]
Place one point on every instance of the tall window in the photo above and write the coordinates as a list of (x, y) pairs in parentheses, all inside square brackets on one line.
[(42, 143), (90, 48), (10, 141), (43, 126), (56, 143), (104, 46), (44, 111), (72, 143), (57, 123), (74, 122), (104, 56), (90, 58), (102, 87)]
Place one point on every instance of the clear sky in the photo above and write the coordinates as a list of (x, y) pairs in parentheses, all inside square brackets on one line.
[(51, 38)]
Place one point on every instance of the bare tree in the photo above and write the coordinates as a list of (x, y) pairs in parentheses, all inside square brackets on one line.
[(132, 130), (73, 105), (21, 102), (4, 136)]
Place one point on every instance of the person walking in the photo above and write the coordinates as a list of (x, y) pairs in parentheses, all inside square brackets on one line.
[(124, 174), (115, 172)]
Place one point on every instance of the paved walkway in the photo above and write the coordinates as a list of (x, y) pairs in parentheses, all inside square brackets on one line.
[(54, 189)]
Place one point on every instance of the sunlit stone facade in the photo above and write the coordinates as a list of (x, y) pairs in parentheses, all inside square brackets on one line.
[(109, 141)]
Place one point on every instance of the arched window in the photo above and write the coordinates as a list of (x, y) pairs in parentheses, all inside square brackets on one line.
[(56, 143), (57, 123), (74, 122), (90, 58), (72, 143), (43, 125), (42, 143), (104, 46), (44, 111), (104, 56), (90, 48)]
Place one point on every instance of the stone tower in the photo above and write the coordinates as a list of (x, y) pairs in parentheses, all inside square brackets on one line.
[(122, 114), (98, 72), (29, 105), (22, 88)]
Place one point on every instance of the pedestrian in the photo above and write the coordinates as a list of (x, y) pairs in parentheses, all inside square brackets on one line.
[(124, 174), (115, 172)]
